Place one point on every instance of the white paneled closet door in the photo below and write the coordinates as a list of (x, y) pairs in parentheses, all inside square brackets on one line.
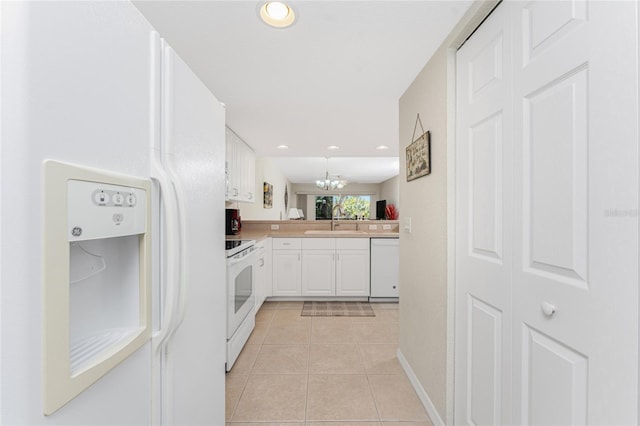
[(483, 225), (568, 276), (575, 275)]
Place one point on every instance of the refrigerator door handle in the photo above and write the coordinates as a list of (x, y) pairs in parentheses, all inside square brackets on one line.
[(164, 162), (169, 207), (183, 278)]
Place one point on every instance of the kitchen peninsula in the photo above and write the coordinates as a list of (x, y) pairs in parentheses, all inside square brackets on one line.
[(306, 260), (261, 229)]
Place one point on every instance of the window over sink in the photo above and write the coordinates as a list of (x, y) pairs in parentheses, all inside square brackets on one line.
[(351, 206)]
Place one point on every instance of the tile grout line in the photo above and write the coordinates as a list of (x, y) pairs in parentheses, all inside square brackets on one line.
[(235, 405), (244, 387), (353, 325), (373, 397), (249, 374), (306, 397)]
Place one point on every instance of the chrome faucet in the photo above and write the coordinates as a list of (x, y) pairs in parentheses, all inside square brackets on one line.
[(334, 220)]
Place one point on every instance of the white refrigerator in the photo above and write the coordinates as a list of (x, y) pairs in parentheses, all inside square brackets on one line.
[(92, 84)]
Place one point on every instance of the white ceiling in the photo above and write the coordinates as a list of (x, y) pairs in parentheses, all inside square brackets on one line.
[(333, 78), (352, 169)]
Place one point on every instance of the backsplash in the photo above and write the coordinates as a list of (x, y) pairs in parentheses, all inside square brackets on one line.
[(288, 226)]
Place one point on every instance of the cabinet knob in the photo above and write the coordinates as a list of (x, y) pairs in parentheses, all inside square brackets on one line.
[(548, 309)]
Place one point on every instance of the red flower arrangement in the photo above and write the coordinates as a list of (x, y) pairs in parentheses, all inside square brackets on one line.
[(391, 213)]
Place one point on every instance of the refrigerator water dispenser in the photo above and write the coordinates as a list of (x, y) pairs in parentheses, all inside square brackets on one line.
[(97, 276)]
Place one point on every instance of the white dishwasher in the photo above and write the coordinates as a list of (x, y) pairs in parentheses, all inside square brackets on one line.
[(385, 267)]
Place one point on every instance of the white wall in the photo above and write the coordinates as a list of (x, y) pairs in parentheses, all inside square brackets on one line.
[(390, 191), (425, 286), (266, 171), (423, 252)]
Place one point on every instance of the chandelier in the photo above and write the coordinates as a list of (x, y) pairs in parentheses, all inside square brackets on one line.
[(330, 183)]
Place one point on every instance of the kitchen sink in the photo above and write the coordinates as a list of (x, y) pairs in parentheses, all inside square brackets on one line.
[(327, 232)]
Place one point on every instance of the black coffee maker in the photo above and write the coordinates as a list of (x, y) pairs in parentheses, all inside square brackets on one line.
[(233, 222)]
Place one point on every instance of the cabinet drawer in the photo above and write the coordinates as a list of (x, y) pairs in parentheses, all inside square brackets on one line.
[(318, 243), (352, 243), (286, 244)]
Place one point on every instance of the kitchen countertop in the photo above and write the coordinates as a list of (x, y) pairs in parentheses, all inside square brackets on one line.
[(261, 235)]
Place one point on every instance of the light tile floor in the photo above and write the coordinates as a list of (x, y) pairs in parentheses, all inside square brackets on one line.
[(333, 371)]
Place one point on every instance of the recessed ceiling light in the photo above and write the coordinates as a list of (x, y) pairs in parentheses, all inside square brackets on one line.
[(382, 147), (333, 147), (282, 147), (277, 14)]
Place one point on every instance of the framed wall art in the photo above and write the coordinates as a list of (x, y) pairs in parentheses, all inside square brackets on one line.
[(268, 195), (419, 154), (286, 198)]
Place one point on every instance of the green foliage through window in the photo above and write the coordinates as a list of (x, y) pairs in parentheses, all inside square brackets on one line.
[(351, 206)]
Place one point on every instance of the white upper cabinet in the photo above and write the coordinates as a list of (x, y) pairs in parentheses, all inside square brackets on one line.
[(240, 169)]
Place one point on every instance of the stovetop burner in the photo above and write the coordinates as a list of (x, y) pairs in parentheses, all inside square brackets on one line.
[(229, 244), (233, 247)]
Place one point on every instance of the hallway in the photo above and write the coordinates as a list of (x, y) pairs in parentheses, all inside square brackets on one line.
[(310, 370)]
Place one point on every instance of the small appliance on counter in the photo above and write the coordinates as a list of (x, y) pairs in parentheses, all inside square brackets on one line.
[(233, 223)]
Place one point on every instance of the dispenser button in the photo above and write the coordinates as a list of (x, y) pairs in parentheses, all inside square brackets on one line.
[(118, 199), (118, 218), (101, 197), (131, 200)]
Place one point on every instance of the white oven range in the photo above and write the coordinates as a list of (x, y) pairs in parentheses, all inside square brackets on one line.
[(240, 295)]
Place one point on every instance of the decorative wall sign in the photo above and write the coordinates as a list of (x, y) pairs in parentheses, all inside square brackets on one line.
[(419, 153), (268, 195), (286, 198)]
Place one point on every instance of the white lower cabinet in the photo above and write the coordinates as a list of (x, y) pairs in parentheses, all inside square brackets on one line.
[(352, 273), (318, 267), (263, 267), (321, 267), (352, 267), (287, 267)]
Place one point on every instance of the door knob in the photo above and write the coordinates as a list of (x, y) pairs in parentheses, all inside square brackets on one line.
[(548, 309)]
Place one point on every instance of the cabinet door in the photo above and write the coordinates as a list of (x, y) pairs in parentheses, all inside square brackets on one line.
[(318, 272), (248, 174), (352, 273), (268, 268), (287, 273), (240, 169), (260, 276), (231, 167)]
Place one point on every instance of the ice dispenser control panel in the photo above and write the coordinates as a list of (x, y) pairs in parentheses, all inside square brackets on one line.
[(101, 210)]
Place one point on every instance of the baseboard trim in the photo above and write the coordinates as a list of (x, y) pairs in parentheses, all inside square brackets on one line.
[(422, 394)]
